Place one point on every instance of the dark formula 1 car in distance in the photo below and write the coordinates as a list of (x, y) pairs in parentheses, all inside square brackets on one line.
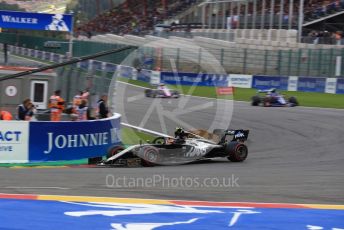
[(271, 98), (176, 151), (162, 92)]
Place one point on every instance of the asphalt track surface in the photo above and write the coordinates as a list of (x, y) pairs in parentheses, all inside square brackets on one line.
[(295, 156)]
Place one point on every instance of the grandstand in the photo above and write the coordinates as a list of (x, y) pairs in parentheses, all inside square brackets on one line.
[(263, 41)]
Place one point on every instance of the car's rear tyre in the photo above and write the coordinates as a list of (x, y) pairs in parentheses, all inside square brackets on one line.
[(148, 92), (237, 151), (255, 100), (175, 94), (293, 101)]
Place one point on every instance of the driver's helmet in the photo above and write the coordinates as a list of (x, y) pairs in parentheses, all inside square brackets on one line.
[(179, 133)]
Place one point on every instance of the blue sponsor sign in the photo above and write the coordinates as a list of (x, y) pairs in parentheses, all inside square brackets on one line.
[(218, 80), (96, 65), (40, 54), (36, 21), (267, 82), (53, 141), (144, 75), (110, 67), (32, 53), (310, 84), (125, 71), (47, 56), (84, 64), (340, 86), (57, 215), (56, 58)]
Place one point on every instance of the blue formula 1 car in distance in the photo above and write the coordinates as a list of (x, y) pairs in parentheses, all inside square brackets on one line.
[(271, 98)]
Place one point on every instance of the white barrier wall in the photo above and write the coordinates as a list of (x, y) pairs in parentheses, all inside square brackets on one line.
[(37, 141)]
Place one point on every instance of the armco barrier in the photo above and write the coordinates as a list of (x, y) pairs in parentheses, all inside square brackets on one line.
[(36, 141)]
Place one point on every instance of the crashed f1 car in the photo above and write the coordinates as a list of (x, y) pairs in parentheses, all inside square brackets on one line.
[(271, 98), (185, 148)]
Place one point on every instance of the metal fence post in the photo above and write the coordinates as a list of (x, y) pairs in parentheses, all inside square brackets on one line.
[(199, 59), (279, 64), (342, 54), (222, 56), (332, 64), (319, 62), (289, 62), (245, 61), (266, 61), (299, 59), (309, 55), (177, 59)]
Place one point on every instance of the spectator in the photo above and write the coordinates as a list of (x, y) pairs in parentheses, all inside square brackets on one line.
[(23, 109), (29, 116), (56, 105), (77, 99), (82, 111), (103, 109), (86, 94)]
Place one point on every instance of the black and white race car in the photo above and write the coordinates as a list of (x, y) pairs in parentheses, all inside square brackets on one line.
[(177, 151), (162, 92)]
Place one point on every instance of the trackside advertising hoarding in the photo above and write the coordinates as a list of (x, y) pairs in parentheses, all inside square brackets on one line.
[(340, 86), (310, 84), (22, 141), (36, 21), (268, 82), (14, 137), (240, 81), (217, 80), (53, 141)]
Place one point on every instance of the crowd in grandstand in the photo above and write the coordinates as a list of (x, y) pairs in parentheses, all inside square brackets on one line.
[(130, 17), (134, 17), (319, 8)]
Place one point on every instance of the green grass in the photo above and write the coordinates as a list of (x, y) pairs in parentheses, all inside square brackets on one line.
[(322, 100), (133, 137)]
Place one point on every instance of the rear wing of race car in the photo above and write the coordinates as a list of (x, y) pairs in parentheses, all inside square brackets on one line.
[(238, 135)]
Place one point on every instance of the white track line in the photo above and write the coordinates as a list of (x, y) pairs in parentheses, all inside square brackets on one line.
[(145, 130)]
